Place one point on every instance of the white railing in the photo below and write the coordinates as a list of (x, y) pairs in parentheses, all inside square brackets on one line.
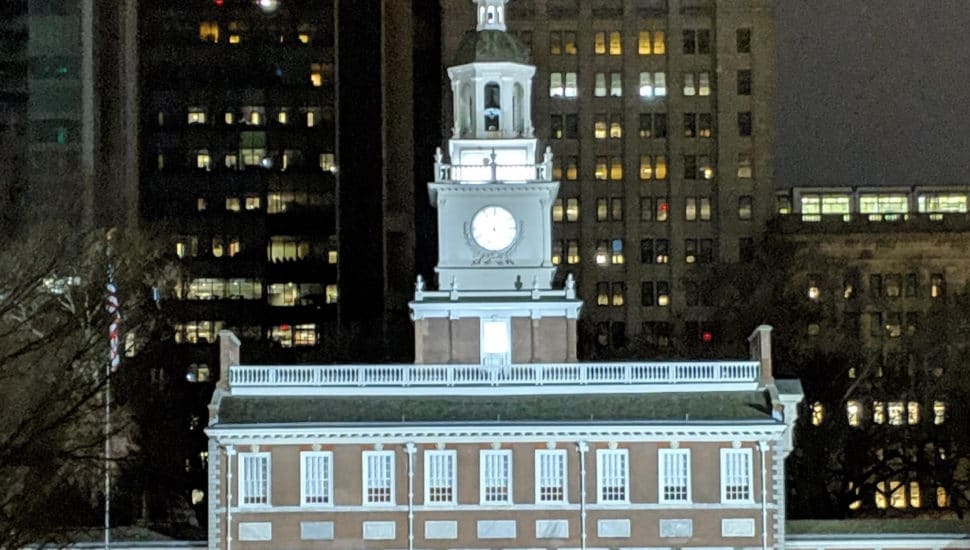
[(521, 375), (492, 172)]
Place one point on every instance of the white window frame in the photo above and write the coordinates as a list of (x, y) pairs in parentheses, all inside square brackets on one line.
[(495, 358), (663, 475), (737, 465), (487, 477), (247, 484), (548, 464), (325, 478), (368, 481), (436, 460), (606, 467)]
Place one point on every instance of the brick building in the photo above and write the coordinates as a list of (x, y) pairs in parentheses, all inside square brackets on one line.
[(496, 435)]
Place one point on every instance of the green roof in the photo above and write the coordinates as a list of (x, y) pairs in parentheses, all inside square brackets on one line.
[(895, 526), (716, 406), (490, 46)]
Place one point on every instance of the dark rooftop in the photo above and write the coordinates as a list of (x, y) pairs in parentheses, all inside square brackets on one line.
[(711, 406), (860, 527)]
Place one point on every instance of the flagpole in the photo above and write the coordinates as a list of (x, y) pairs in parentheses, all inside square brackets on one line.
[(113, 307), (107, 455)]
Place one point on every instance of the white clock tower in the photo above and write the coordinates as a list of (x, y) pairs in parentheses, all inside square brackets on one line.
[(495, 304)]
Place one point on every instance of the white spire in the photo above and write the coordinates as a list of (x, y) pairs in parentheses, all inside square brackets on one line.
[(491, 15)]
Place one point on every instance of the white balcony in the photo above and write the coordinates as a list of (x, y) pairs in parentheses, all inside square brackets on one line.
[(520, 379), (485, 173)]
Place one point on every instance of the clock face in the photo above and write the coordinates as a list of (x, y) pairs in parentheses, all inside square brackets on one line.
[(494, 228)]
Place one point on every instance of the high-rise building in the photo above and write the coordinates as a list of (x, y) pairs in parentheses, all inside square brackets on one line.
[(660, 116), (238, 149), (67, 111)]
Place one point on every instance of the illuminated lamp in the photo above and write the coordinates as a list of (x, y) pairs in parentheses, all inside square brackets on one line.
[(268, 6), (707, 336), (284, 327), (220, 2)]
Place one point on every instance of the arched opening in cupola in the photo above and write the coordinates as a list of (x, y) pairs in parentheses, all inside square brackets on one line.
[(465, 102), (493, 106)]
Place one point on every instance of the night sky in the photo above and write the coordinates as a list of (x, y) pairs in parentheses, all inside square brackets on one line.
[(873, 92)]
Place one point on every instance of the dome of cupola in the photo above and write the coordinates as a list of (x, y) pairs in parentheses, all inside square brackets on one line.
[(490, 46), (489, 43)]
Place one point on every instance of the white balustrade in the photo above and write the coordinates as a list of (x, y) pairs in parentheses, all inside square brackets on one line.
[(489, 172), (471, 375)]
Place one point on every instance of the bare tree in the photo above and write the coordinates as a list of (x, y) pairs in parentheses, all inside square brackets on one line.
[(53, 356)]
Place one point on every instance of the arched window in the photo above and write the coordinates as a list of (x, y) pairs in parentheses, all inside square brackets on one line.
[(493, 106), (465, 107)]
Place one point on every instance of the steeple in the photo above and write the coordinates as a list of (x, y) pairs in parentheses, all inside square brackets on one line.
[(495, 302)]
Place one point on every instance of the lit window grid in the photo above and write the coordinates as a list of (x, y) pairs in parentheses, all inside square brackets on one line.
[(378, 474), (612, 476), (316, 475), (496, 477), (674, 475), (550, 476), (440, 477)]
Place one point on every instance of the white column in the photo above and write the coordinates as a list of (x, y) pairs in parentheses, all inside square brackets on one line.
[(582, 447), (507, 124), (230, 452), (477, 116), (410, 449), (456, 109), (527, 108), (763, 447)]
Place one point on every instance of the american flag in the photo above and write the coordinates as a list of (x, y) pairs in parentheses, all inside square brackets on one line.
[(114, 309)]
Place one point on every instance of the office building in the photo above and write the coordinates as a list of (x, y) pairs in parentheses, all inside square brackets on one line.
[(881, 271), (67, 111)]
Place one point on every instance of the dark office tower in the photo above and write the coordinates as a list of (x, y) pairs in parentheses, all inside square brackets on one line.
[(67, 109), (411, 121), (660, 117), (238, 160), (360, 195), (239, 169), (13, 108)]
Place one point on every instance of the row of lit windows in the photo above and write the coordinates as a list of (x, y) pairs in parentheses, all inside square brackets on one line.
[(252, 156), (279, 249), (277, 202), (251, 116), (649, 84), (652, 251), (695, 125), (893, 413), (651, 125), (234, 32), (651, 167), (285, 335), (888, 285), (874, 206), (652, 294), (649, 42), (277, 294), (651, 209)]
